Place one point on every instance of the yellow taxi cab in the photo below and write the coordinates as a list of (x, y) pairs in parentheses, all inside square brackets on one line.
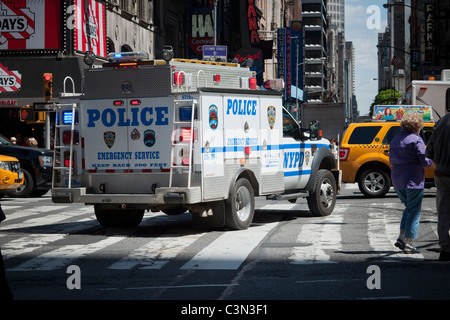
[(364, 155), (11, 175)]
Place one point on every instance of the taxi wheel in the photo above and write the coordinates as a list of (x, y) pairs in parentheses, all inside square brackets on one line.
[(27, 188), (374, 183), (240, 206)]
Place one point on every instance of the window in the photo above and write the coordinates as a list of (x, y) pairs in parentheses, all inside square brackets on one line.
[(426, 134), (289, 126), (393, 131), (363, 135)]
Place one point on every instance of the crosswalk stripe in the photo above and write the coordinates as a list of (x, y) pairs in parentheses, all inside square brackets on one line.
[(230, 250), (320, 238), (64, 256), (157, 253)]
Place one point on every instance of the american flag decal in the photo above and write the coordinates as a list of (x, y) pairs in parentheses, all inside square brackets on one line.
[(16, 23)]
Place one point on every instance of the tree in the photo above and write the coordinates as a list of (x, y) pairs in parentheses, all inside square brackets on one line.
[(386, 96)]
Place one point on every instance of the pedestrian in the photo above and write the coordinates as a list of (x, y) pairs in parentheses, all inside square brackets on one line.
[(438, 149), (5, 291), (13, 140), (407, 157), (32, 142)]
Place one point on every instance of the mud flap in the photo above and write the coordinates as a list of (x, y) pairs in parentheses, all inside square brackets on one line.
[(216, 220)]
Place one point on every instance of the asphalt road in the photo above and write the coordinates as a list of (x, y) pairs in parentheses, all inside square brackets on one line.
[(59, 252)]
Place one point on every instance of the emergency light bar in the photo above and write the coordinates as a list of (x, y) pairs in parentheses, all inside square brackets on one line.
[(127, 56)]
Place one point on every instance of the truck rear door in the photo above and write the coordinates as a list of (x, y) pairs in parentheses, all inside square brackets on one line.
[(125, 135)]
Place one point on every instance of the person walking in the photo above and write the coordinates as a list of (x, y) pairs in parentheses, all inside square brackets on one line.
[(5, 291), (407, 157), (438, 149)]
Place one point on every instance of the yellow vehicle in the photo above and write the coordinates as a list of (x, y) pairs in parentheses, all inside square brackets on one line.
[(11, 175), (364, 155)]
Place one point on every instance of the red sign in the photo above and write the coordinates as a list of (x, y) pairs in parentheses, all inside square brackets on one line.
[(90, 36), (30, 25), (252, 22), (10, 81)]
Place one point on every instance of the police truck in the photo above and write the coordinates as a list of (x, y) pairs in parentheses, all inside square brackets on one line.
[(178, 136)]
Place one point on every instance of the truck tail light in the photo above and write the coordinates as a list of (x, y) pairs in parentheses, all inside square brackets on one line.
[(66, 137), (343, 153), (186, 134), (67, 162)]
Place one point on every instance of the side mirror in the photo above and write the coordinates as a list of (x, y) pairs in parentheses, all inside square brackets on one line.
[(315, 132)]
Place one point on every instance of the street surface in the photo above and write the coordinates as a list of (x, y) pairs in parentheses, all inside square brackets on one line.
[(58, 252)]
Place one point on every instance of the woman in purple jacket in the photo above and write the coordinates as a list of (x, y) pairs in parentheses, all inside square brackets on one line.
[(407, 157)]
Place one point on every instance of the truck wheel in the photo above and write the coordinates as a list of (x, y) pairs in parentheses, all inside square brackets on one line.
[(374, 183), (321, 202), (118, 218), (174, 211), (240, 206)]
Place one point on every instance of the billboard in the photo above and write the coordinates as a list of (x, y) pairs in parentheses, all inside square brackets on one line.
[(90, 27), (30, 25)]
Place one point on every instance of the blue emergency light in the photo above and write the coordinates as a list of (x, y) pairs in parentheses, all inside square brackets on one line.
[(67, 117)]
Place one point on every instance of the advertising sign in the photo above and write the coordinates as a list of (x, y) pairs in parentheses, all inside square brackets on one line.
[(10, 81), (30, 25), (90, 27), (396, 112), (297, 38)]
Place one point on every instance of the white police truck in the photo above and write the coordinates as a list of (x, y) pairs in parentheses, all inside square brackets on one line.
[(179, 135)]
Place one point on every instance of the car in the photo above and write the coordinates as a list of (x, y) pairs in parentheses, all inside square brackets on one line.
[(36, 165), (11, 177), (364, 156)]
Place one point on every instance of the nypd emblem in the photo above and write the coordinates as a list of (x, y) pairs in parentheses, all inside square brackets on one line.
[(213, 117), (271, 116), (149, 138), (135, 135), (109, 137)]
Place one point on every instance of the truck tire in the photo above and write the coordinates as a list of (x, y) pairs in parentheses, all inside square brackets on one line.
[(130, 218), (321, 202), (174, 211), (240, 206), (374, 183)]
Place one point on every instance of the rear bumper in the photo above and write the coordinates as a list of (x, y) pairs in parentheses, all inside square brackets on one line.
[(174, 195)]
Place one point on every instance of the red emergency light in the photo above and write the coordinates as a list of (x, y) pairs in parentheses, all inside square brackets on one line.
[(178, 78)]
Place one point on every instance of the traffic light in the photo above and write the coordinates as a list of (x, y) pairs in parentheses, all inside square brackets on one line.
[(26, 114), (48, 86)]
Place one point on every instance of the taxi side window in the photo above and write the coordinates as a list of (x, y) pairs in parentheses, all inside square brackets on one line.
[(392, 132), (364, 135), (426, 134)]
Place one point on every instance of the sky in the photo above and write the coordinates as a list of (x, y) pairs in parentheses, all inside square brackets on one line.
[(364, 19)]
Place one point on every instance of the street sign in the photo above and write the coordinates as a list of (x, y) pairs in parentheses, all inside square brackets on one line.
[(44, 106), (215, 53)]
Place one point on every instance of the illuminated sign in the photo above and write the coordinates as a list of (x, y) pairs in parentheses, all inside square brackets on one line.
[(10, 81), (30, 25), (252, 22)]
